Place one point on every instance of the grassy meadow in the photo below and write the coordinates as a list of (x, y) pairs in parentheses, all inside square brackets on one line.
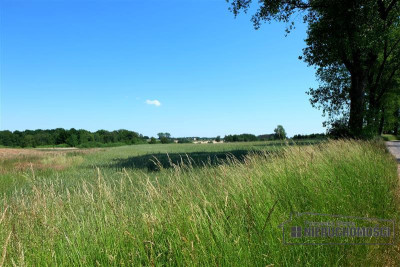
[(189, 204)]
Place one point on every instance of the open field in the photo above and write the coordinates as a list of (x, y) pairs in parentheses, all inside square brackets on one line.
[(208, 204)]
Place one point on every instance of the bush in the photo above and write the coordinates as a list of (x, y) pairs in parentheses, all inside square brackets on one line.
[(240, 138), (184, 141), (310, 136), (339, 129), (165, 140)]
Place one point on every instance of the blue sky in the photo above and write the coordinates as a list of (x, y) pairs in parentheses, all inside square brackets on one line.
[(181, 66)]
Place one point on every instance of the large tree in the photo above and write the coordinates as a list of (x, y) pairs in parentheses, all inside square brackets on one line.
[(280, 132), (355, 46)]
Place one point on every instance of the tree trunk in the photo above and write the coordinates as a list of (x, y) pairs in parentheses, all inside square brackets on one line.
[(381, 122), (357, 90), (373, 118), (397, 120)]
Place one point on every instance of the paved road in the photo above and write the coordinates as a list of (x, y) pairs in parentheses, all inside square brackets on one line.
[(394, 148)]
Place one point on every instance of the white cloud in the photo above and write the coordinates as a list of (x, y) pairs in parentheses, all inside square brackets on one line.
[(153, 102)]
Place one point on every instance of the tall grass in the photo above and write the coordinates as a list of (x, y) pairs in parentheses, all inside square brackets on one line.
[(224, 215)]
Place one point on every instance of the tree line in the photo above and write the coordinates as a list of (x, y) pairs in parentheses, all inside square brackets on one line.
[(279, 134), (72, 138), (311, 136), (85, 139), (271, 137)]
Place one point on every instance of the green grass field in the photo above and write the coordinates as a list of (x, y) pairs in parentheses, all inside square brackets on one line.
[(210, 204), (390, 137)]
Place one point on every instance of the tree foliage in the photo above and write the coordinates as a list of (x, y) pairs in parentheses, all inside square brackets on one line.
[(153, 141), (355, 46), (166, 135), (280, 132), (240, 138)]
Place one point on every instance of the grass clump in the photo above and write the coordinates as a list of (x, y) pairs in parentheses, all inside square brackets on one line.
[(221, 215)]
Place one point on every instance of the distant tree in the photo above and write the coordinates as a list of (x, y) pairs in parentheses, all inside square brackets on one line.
[(86, 136), (72, 140), (153, 141), (109, 137), (240, 138), (218, 139), (310, 136), (61, 136), (28, 141), (164, 137), (184, 140), (164, 140), (6, 138), (266, 137), (44, 138), (161, 135), (280, 132)]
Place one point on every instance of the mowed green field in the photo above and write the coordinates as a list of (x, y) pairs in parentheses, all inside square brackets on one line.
[(189, 204)]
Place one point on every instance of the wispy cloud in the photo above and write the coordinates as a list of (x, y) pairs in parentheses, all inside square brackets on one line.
[(153, 102)]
